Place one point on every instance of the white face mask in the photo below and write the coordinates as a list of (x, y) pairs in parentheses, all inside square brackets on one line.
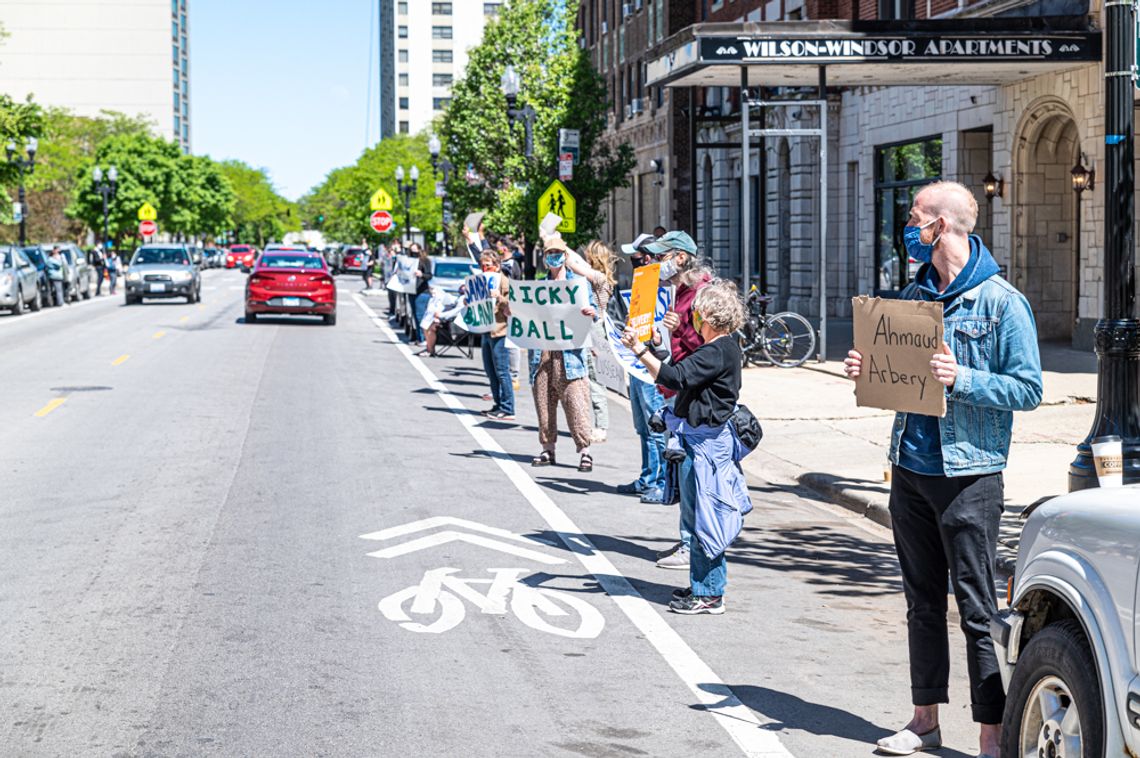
[(669, 269)]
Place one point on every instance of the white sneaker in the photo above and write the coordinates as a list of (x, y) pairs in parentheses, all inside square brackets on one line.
[(676, 560), (907, 742)]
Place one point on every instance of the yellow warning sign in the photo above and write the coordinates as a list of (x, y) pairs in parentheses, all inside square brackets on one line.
[(558, 200), (381, 201), (147, 212)]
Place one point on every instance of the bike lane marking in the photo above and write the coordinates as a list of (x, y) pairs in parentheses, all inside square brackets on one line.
[(737, 719)]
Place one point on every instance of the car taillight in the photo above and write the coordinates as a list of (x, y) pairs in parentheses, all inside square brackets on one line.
[(230, 258), (258, 279)]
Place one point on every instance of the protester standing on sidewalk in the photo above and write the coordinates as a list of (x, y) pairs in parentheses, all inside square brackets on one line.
[(423, 290), (393, 251), (496, 360), (57, 275), (681, 267), (601, 259), (366, 260), (561, 375), (99, 262), (946, 486), (645, 400), (113, 268), (707, 383)]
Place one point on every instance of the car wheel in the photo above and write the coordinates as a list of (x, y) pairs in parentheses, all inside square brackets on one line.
[(1054, 706), (18, 308), (87, 291), (35, 304), (330, 319), (250, 318), (132, 300)]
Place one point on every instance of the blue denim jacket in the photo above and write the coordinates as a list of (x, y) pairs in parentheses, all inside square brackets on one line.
[(573, 360), (993, 336)]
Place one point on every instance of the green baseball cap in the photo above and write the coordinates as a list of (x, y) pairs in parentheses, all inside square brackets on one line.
[(672, 241)]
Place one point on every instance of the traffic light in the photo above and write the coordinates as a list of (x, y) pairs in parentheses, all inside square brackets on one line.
[(320, 219)]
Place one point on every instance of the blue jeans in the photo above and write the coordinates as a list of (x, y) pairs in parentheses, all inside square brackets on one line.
[(707, 577), (420, 309), (645, 400), (497, 365)]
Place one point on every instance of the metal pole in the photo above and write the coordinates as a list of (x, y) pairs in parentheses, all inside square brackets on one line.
[(762, 186), (1077, 267), (106, 235), (692, 161), (745, 190), (1117, 333), (23, 211), (822, 356)]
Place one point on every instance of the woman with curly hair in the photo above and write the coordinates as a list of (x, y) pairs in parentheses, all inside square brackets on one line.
[(601, 259)]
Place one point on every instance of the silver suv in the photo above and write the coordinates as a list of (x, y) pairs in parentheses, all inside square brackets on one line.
[(163, 271), (1068, 645)]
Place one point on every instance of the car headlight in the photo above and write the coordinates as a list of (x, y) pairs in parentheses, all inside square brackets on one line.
[(132, 277), (5, 280), (182, 276)]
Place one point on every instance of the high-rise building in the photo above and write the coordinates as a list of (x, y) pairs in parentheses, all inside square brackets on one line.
[(427, 46), (130, 56)]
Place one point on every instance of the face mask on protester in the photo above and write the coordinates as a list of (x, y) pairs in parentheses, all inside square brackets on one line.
[(698, 322), (669, 268), (915, 247), (555, 260)]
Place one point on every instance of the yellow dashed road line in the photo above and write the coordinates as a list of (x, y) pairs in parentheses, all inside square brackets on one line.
[(159, 335), (184, 319), (50, 407), (120, 360)]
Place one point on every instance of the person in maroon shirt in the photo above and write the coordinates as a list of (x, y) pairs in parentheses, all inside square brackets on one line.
[(681, 267)]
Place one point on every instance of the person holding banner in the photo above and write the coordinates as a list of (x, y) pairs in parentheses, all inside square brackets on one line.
[(601, 260), (423, 290), (946, 485), (496, 359), (391, 254), (562, 375), (707, 387)]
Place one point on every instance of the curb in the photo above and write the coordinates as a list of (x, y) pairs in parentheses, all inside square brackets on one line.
[(864, 505)]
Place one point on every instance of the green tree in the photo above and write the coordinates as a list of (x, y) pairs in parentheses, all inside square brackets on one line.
[(343, 197), (538, 38), (204, 199), (18, 122), (260, 214)]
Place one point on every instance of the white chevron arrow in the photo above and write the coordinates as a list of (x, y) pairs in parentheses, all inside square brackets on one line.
[(451, 535)]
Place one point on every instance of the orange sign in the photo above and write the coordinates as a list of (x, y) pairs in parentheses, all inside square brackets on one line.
[(643, 300)]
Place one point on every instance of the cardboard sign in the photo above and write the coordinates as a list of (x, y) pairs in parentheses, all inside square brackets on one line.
[(403, 277), (643, 300), (547, 315), (624, 356), (479, 303), (897, 339)]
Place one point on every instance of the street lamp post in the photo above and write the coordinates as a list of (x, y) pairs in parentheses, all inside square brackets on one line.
[(446, 166), (511, 83), (1117, 333), (107, 189), (1082, 180), (24, 165), (406, 191)]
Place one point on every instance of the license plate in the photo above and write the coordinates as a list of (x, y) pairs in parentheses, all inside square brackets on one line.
[(158, 288), (293, 301)]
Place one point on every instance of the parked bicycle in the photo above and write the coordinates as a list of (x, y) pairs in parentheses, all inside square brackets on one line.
[(783, 339)]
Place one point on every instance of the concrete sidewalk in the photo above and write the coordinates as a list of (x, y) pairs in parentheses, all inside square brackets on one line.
[(815, 435)]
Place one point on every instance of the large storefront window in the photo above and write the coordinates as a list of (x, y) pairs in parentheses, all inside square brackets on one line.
[(901, 170)]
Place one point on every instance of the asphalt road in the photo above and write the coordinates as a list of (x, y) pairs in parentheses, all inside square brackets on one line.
[(286, 539)]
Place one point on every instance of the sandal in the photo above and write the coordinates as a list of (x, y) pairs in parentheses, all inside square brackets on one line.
[(586, 464), (546, 458)]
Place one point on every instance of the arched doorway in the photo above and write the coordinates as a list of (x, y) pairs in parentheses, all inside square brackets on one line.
[(784, 223), (1045, 241)]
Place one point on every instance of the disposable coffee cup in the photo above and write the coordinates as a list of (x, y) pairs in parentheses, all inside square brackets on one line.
[(1108, 457)]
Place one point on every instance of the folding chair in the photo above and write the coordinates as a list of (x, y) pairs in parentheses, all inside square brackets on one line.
[(448, 335)]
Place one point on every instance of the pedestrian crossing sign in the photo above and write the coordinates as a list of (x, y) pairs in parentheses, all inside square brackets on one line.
[(558, 200), (381, 201), (147, 212)]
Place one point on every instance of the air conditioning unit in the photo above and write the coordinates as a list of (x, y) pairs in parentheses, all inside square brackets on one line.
[(626, 10), (635, 106)]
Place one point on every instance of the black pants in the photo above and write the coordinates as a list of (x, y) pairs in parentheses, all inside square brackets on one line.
[(949, 526)]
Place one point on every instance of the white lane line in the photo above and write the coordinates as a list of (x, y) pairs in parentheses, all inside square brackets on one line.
[(46, 311), (737, 719)]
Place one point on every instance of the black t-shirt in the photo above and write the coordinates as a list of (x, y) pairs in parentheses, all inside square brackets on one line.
[(422, 285), (707, 382)]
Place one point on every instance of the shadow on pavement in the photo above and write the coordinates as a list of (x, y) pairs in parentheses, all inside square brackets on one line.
[(835, 562)]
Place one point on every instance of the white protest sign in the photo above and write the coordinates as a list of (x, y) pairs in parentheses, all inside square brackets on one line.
[(547, 315), (404, 275), (479, 304), (664, 302), (624, 356)]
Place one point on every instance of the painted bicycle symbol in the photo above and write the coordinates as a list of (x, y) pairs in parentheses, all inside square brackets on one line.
[(438, 601)]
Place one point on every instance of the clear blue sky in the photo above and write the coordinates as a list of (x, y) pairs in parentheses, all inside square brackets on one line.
[(282, 85)]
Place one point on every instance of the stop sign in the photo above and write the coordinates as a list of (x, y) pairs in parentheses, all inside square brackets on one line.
[(147, 228), (381, 221)]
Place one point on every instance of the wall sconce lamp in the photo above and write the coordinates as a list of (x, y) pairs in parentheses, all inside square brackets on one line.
[(993, 185)]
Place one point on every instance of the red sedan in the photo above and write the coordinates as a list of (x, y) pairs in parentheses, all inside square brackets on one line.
[(292, 283), (240, 255)]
